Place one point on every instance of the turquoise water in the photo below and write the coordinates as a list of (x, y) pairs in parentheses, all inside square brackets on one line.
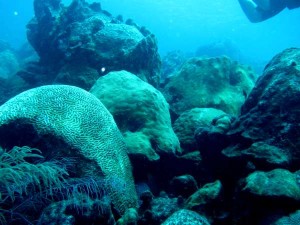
[(181, 24), (196, 134)]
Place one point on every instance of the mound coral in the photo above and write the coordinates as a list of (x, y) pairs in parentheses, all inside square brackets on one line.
[(141, 113), (218, 83)]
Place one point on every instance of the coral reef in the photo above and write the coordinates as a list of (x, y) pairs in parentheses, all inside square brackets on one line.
[(207, 145), (67, 114), (84, 34)]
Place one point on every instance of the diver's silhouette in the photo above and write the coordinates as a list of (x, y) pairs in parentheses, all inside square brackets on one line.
[(260, 10)]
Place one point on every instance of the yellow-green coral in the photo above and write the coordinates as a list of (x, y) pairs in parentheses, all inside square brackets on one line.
[(141, 113), (218, 83)]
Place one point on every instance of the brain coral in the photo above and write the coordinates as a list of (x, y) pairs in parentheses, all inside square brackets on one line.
[(292, 219), (81, 121), (141, 113), (186, 217)]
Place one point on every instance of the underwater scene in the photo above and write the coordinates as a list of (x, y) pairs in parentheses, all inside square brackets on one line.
[(139, 112)]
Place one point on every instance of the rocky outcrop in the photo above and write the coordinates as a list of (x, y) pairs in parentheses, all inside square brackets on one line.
[(84, 34), (270, 115), (277, 185)]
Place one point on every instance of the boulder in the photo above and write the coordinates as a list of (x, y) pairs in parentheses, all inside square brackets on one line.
[(270, 115), (183, 185), (204, 196), (191, 120), (209, 83), (84, 34), (277, 185)]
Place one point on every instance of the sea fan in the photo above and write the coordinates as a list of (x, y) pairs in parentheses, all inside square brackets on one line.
[(19, 177), (29, 182)]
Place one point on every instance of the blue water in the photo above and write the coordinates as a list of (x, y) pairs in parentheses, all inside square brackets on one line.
[(181, 24)]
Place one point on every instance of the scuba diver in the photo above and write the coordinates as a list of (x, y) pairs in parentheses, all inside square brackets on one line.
[(260, 10)]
